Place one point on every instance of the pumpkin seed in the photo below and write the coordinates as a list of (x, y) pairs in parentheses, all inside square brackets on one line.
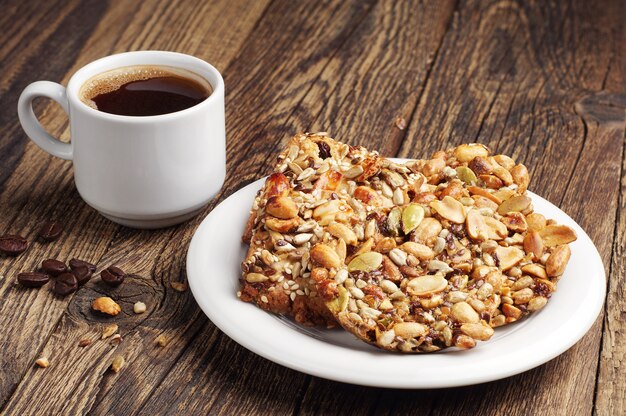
[(340, 303), (466, 175), (393, 221), (412, 216), (366, 262)]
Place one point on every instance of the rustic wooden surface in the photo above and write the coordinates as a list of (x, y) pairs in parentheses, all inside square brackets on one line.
[(542, 81)]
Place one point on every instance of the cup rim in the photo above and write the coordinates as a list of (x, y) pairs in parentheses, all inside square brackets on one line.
[(84, 73)]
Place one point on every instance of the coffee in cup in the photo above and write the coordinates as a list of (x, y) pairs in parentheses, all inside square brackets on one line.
[(144, 90)]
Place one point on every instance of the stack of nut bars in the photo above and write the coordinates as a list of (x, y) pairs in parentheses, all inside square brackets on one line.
[(410, 257)]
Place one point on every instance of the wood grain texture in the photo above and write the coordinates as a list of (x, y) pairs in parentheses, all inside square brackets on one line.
[(32, 30), (611, 377), (606, 113), (608, 119), (542, 81), (88, 236), (517, 93)]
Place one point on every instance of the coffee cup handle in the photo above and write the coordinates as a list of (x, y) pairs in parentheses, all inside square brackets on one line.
[(31, 125)]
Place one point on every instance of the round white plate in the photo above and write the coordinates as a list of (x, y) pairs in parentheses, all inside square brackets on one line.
[(213, 271)]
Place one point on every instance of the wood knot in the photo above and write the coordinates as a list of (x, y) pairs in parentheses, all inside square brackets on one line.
[(604, 108), (134, 289)]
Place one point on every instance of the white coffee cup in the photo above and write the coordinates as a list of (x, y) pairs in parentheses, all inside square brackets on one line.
[(142, 172)]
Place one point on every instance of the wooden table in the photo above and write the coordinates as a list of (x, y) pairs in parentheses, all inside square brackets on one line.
[(541, 81)]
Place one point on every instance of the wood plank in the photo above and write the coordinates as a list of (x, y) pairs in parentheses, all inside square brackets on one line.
[(41, 186), (606, 113), (605, 118)]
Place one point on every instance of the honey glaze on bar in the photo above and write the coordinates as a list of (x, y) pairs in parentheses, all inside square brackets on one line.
[(144, 90)]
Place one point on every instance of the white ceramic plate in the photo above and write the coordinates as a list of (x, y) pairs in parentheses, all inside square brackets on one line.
[(213, 271)]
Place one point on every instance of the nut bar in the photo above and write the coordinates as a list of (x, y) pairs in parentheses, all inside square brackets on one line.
[(322, 191), (465, 255)]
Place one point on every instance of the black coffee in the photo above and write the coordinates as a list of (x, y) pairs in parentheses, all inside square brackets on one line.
[(145, 91)]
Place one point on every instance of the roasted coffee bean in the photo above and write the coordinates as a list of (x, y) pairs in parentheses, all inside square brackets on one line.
[(74, 263), (33, 279), (113, 276), (82, 273), (53, 267), (65, 284), (13, 245), (50, 231)]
